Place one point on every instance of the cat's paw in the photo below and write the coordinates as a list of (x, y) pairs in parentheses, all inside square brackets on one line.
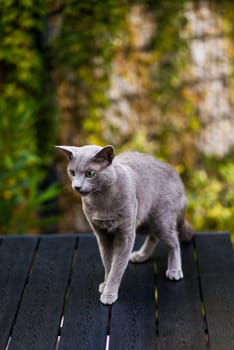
[(101, 287), (137, 257), (174, 274), (108, 299)]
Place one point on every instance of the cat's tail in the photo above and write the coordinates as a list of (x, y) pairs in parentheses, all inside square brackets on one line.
[(185, 230)]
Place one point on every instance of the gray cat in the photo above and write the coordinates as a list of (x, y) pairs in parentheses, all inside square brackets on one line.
[(118, 195)]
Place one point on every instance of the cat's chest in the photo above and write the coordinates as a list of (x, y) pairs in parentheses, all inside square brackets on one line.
[(108, 224), (103, 218)]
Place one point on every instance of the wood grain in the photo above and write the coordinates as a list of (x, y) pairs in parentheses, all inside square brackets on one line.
[(133, 324), (179, 305), (85, 319), (16, 254), (39, 316), (216, 264)]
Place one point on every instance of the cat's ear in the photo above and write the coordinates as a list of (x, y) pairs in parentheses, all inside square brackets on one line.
[(103, 158), (68, 150), (106, 154)]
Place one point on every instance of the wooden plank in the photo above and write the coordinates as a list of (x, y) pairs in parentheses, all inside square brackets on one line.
[(39, 316), (216, 264), (215, 253), (85, 319), (16, 254), (179, 306), (133, 324)]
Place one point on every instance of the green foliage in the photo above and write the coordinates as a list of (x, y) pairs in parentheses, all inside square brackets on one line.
[(83, 53), (92, 33), (208, 181), (171, 50), (211, 198), (22, 84)]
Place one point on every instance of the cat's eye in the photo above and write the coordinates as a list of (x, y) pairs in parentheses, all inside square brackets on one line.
[(72, 172), (90, 173)]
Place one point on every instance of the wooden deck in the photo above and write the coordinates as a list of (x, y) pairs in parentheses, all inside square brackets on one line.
[(49, 297)]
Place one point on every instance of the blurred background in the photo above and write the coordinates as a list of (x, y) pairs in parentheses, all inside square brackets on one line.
[(154, 76)]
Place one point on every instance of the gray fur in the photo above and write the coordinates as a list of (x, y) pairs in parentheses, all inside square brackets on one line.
[(127, 191)]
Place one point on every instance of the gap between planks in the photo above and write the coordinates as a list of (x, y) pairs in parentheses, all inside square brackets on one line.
[(67, 293), (203, 308)]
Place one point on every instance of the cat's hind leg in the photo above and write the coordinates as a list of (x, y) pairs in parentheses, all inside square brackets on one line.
[(174, 269), (174, 266), (166, 226), (101, 287), (145, 252)]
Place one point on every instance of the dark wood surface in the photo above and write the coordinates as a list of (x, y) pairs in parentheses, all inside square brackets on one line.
[(16, 255), (181, 324), (49, 297), (133, 322), (85, 318), (216, 267), (40, 311)]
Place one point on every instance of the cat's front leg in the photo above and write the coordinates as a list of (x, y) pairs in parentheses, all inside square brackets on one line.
[(105, 245), (123, 244)]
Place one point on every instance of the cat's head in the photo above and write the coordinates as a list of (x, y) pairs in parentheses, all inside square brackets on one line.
[(90, 167)]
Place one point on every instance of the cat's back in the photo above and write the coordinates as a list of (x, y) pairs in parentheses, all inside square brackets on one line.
[(141, 163), (131, 158), (155, 184), (150, 174)]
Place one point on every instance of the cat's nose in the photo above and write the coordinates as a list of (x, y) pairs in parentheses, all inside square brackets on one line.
[(77, 188)]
